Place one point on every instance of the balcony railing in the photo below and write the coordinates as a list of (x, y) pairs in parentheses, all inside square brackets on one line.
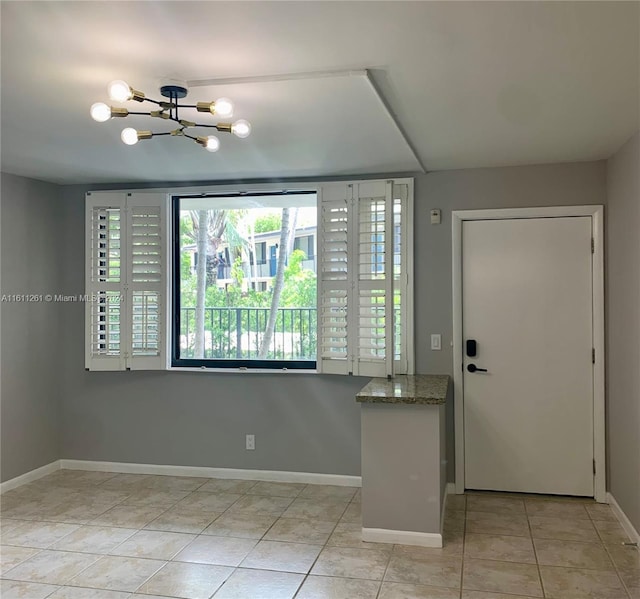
[(236, 333)]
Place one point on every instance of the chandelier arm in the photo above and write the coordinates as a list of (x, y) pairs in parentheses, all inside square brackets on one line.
[(168, 116), (157, 102), (222, 127), (163, 103)]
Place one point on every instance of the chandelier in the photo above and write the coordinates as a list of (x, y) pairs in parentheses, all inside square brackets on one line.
[(169, 109)]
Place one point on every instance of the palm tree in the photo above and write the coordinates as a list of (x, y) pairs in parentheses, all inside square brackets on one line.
[(277, 286), (208, 227)]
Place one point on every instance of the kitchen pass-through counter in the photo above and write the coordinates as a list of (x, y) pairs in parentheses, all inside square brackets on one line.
[(403, 459)]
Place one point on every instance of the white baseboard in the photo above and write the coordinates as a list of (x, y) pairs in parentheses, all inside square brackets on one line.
[(281, 476), (402, 537), (450, 489), (29, 477), (624, 521)]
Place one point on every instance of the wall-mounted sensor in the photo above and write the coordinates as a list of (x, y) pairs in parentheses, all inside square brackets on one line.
[(436, 216)]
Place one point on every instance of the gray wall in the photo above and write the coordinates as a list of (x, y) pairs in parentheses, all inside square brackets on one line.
[(306, 423), (623, 327), (30, 331)]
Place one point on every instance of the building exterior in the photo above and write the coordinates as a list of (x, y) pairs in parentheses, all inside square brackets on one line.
[(259, 267)]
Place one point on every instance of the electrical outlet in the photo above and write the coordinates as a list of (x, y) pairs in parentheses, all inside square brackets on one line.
[(251, 442)]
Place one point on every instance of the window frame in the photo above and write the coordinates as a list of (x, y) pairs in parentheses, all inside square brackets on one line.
[(219, 365)]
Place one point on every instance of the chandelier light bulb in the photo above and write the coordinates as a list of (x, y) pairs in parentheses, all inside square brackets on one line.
[(119, 91), (129, 136), (241, 128), (222, 107), (100, 112), (213, 144)]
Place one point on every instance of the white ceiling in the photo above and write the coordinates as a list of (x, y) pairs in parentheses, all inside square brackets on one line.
[(471, 84)]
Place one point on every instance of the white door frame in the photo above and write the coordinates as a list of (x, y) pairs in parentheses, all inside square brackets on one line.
[(596, 213)]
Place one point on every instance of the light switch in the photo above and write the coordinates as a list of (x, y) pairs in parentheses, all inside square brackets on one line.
[(436, 342), (436, 216)]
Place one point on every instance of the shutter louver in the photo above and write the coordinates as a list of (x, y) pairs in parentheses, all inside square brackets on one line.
[(126, 280)]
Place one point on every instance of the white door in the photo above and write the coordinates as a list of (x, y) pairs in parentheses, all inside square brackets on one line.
[(527, 303)]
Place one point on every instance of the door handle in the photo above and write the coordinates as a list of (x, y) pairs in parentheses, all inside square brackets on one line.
[(474, 368)]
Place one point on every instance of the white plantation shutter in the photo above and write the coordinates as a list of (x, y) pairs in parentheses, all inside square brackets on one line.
[(362, 278), (126, 280), (146, 292), (104, 281), (335, 212), (374, 282)]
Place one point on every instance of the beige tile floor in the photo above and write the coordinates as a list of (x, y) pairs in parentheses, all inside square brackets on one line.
[(95, 535)]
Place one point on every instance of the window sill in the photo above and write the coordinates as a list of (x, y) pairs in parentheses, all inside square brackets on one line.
[(243, 370)]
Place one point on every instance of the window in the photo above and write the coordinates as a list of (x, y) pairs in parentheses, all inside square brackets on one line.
[(261, 252), (266, 315), (333, 261), (305, 243)]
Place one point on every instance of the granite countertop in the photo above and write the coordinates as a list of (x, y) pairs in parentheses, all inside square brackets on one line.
[(425, 389)]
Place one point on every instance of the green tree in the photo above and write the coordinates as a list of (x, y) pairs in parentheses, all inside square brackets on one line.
[(300, 284), (267, 223), (300, 291)]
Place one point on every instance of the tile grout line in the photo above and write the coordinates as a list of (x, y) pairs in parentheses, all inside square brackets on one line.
[(306, 576), (604, 545), (384, 574), (617, 569), (262, 538), (152, 575), (464, 542), (535, 551)]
